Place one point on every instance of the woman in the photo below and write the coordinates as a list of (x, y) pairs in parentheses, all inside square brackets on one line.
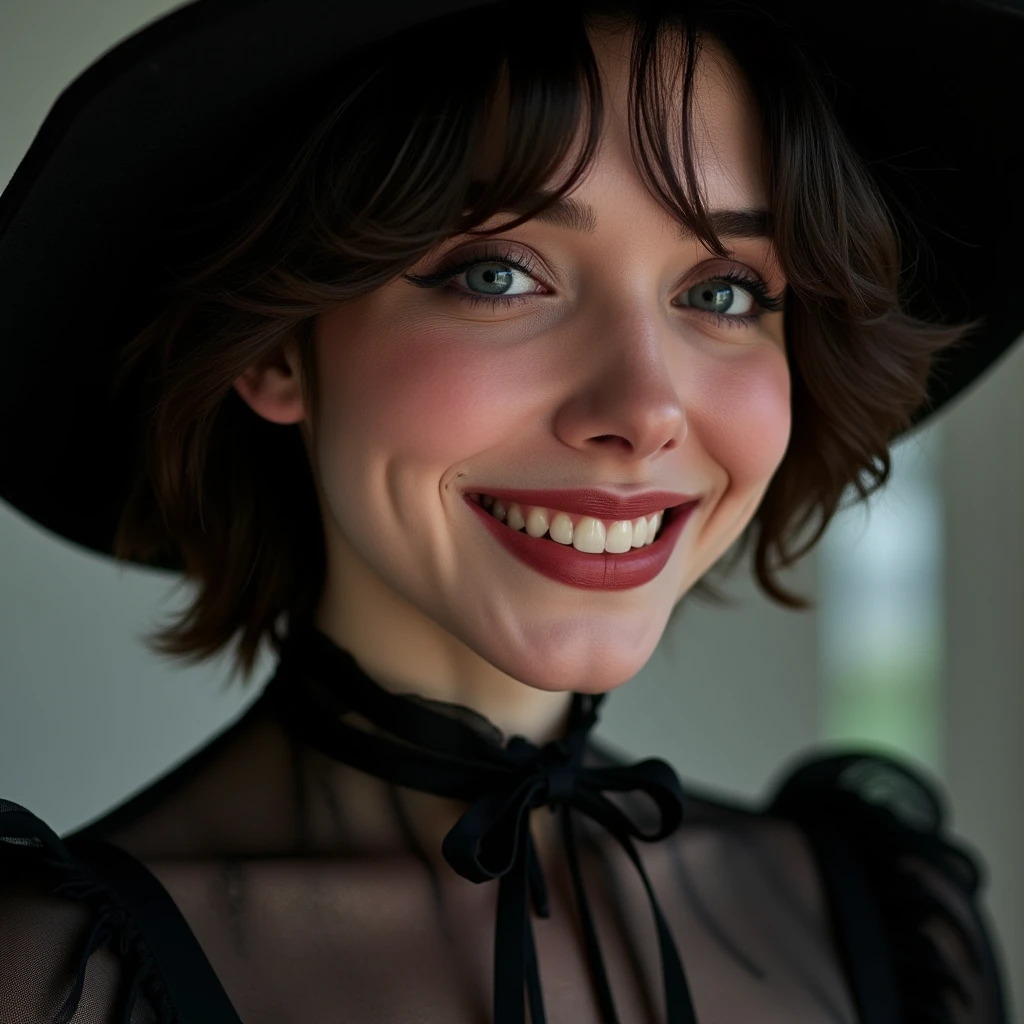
[(447, 351)]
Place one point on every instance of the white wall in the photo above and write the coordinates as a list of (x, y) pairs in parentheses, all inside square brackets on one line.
[(983, 471)]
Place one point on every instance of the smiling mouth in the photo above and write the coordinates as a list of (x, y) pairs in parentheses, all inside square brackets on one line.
[(585, 533)]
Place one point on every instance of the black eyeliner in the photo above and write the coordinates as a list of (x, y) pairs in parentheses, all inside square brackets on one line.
[(440, 277), (444, 274)]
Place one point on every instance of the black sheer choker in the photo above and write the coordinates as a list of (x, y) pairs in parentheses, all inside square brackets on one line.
[(434, 748)]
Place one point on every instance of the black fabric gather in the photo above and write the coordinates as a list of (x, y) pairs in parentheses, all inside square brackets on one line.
[(451, 751), (26, 838), (874, 821)]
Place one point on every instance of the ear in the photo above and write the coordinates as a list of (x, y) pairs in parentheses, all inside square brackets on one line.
[(272, 387)]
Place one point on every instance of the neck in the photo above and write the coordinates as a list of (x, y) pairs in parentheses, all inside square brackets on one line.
[(404, 651)]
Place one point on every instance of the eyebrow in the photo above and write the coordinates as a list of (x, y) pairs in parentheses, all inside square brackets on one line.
[(579, 216)]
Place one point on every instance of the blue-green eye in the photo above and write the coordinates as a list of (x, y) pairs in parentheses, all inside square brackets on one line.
[(490, 278), (719, 297), (732, 299)]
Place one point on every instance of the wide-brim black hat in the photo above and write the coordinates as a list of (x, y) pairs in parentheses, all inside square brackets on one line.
[(931, 93)]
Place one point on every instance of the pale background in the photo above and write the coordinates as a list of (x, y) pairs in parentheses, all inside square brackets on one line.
[(917, 646)]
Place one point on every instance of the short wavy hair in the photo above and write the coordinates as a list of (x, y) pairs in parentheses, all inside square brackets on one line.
[(343, 203)]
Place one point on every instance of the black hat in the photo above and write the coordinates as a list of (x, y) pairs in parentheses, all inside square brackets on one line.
[(930, 92)]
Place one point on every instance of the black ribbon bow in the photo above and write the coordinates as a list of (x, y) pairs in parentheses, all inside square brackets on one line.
[(317, 682)]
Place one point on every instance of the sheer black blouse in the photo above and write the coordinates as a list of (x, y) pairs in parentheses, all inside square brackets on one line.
[(304, 889)]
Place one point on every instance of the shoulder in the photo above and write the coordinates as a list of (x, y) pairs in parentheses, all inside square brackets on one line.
[(58, 917), (903, 894)]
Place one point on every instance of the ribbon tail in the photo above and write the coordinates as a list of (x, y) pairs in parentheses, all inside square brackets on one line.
[(515, 955), (533, 988), (678, 1001), (598, 974), (538, 887)]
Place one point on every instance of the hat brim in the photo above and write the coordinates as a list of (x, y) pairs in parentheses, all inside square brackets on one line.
[(931, 94)]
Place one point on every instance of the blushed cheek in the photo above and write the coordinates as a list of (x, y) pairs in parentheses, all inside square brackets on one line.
[(744, 418), (429, 399)]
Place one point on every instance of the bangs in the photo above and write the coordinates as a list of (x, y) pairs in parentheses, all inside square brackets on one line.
[(450, 81), (550, 94)]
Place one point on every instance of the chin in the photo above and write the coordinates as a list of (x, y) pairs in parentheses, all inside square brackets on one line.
[(570, 659)]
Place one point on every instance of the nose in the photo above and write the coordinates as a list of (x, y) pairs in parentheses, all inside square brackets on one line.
[(627, 402)]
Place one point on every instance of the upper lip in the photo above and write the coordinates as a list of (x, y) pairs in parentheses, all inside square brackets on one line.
[(593, 501)]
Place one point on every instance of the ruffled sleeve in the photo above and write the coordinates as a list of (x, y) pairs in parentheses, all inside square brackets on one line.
[(902, 895), (69, 949)]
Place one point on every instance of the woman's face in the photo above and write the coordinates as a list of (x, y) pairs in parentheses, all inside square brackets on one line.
[(609, 369)]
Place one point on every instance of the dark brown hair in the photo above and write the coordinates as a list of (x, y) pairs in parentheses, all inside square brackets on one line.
[(384, 176)]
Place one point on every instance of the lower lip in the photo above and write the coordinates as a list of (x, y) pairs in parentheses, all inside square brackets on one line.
[(562, 562)]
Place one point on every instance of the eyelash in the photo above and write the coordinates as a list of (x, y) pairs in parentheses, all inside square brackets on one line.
[(444, 275)]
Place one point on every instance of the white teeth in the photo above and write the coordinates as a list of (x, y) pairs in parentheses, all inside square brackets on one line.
[(560, 529), (589, 535), (620, 537), (537, 522), (652, 528), (640, 533)]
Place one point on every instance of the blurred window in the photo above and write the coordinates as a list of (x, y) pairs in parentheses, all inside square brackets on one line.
[(881, 612)]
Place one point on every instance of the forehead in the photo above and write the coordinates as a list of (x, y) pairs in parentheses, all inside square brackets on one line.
[(724, 129), (724, 126)]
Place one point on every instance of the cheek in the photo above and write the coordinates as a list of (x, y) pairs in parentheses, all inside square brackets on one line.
[(743, 416), (428, 397)]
